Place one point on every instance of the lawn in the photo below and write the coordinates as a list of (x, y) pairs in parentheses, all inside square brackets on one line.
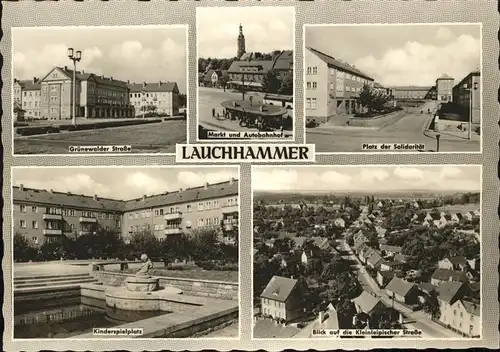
[(193, 273), (151, 138)]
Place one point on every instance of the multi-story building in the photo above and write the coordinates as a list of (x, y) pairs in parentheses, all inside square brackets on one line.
[(444, 87), (413, 92), (27, 97), (282, 298), (332, 86), (96, 96), (45, 216), (160, 97), (462, 95)]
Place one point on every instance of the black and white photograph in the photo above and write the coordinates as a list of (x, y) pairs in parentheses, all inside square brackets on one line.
[(245, 72), (393, 87), (367, 247), (127, 252), (99, 89)]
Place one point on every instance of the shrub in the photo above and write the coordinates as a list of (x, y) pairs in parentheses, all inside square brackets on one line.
[(20, 124), (30, 131)]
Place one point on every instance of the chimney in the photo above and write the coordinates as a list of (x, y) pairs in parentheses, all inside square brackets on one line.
[(144, 84), (111, 78), (205, 185), (65, 68), (35, 79), (291, 277), (83, 71), (128, 81), (51, 191), (320, 317), (180, 190), (231, 180), (160, 83), (144, 197), (68, 193), (21, 187), (95, 197)]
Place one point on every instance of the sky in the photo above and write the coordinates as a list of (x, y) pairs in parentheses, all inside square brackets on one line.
[(120, 182), (138, 54), (366, 178), (402, 55), (265, 29)]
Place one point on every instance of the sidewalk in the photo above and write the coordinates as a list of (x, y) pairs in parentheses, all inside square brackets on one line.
[(452, 135)]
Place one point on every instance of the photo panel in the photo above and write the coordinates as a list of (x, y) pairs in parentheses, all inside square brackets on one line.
[(125, 252), (393, 87), (99, 90), (367, 251), (245, 73)]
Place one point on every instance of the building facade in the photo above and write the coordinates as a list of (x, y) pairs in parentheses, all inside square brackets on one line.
[(240, 43), (282, 299), (413, 93), (444, 88), (46, 216), (160, 97), (332, 87), (27, 97), (464, 97)]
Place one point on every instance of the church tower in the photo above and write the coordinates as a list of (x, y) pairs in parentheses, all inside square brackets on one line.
[(241, 43)]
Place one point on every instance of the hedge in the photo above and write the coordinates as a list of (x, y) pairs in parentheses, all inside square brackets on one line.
[(29, 131), (213, 265)]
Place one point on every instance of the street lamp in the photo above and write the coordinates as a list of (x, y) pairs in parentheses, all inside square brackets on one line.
[(143, 102), (471, 90), (75, 57)]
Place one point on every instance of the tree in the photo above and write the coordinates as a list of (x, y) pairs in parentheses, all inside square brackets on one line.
[(23, 250), (205, 244), (144, 241), (372, 100), (431, 305), (182, 100), (223, 80), (270, 82), (19, 112), (286, 87)]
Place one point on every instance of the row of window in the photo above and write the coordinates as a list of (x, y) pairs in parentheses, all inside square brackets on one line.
[(23, 208), (37, 93), (273, 302), (340, 74), (149, 95), (311, 103)]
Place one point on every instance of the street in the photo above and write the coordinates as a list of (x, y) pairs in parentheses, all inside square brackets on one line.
[(409, 128), (418, 320)]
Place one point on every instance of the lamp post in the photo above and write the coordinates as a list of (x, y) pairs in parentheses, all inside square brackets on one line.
[(471, 90), (75, 57), (143, 108)]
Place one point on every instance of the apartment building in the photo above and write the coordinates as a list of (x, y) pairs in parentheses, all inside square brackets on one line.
[(47, 215), (444, 88), (413, 92), (332, 86), (159, 97), (462, 95), (27, 97)]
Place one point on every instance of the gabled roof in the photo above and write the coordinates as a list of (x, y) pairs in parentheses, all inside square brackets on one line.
[(279, 288), (366, 302), (457, 260), (29, 84), (283, 61), (435, 216), (448, 291), (400, 286), (447, 275), (153, 87), (472, 308), (85, 76), (374, 258), (427, 287), (331, 61), (389, 274), (262, 65), (388, 248)]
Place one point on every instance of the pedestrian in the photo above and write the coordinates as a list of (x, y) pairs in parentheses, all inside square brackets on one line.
[(213, 112)]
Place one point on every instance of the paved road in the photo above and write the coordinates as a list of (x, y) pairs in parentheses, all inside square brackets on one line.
[(418, 320), (408, 128)]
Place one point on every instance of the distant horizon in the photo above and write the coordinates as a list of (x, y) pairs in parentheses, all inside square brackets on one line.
[(363, 191)]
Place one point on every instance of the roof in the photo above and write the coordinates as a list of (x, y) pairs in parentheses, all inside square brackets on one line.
[(399, 286), (378, 85), (427, 287), (366, 302), (435, 216), (216, 190), (331, 61), (283, 61), (457, 260), (85, 76), (388, 248), (153, 87), (41, 196), (69, 199), (472, 308), (445, 76), (262, 65), (426, 88), (29, 84), (374, 258), (446, 275), (386, 273), (279, 288), (400, 257), (447, 291)]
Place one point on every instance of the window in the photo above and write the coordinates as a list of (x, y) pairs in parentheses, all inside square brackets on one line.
[(136, 216), (130, 216), (455, 312), (34, 224), (201, 223), (309, 70), (216, 204), (22, 207), (161, 211), (209, 205), (315, 85), (230, 202), (331, 85), (200, 206), (315, 70), (461, 314), (22, 224), (34, 209), (308, 85), (34, 239), (313, 103), (308, 103)]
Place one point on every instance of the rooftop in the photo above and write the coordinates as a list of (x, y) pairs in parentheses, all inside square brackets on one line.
[(447, 291), (254, 108), (279, 288), (399, 286), (152, 87), (449, 275), (366, 302)]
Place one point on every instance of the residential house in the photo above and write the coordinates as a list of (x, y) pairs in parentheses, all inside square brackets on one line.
[(282, 298), (469, 215), (457, 217), (384, 277), (358, 246), (339, 222), (474, 263), (365, 253), (367, 303), (419, 218), (417, 204), (466, 317), (444, 275), (374, 259), (402, 291), (390, 251), (458, 263), (380, 231), (360, 237), (308, 255), (391, 265), (400, 258)]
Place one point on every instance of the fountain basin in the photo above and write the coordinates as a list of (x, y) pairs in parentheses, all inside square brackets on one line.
[(120, 298), (142, 283)]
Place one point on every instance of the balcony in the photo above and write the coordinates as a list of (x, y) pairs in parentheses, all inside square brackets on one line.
[(88, 219), (57, 217), (173, 216), (173, 231), (53, 232)]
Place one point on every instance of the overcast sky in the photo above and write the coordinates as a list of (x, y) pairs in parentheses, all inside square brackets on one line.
[(148, 53), (120, 182), (402, 55), (265, 28), (366, 178)]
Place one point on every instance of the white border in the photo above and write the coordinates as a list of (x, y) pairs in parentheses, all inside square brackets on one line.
[(11, 107), (167, 167), (250, 140), (386, 166), (394, 25)]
